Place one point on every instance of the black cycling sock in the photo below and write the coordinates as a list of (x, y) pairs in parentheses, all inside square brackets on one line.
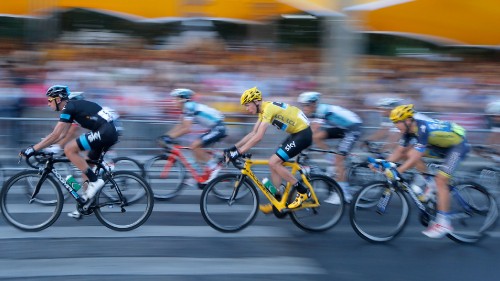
[(300, 187), (91, 175)]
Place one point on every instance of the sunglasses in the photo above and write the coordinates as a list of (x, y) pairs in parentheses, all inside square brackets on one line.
[(50, 99)]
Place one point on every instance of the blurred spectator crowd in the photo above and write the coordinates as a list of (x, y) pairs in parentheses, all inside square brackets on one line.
[(136, 80)]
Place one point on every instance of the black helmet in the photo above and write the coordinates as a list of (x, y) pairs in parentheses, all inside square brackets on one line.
[(58, 91)]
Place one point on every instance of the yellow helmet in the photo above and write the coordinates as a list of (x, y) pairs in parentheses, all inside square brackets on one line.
[(251, 95), (402, 112)]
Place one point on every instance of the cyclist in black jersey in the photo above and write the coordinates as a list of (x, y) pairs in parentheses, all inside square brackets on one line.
[(102, 133)]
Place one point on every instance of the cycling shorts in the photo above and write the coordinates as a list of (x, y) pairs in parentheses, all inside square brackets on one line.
[(452, 156), (349, 137), (215, 134), (294, 144), (97, 141)]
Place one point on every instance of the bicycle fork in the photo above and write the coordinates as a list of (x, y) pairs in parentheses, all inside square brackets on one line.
[(237, 185)]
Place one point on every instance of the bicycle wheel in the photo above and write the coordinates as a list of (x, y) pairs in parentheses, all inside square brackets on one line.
[(473, 211), (385, 220), (165, 176), (360, 175), (129, 164), (17, 209), (125, 202), (224, 215), (326, 215)]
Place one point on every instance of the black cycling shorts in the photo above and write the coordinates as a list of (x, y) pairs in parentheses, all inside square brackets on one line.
[(215, 134), (294, 144), (349, 137), (97, 141)]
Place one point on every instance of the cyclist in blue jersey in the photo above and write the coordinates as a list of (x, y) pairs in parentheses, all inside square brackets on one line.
[(332, 122), (206, 116), (102, 133), (437, 138)]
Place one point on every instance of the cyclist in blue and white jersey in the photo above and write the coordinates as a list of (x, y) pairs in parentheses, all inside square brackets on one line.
[(332, 122), (208, 117), (437, 139)]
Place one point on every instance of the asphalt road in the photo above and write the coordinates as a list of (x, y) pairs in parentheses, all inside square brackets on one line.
[(176, 244)]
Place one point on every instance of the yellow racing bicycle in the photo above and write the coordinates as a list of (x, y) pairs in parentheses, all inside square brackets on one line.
[(239, 204)]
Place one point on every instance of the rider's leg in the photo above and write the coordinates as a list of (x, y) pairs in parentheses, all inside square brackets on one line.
[(199, 153), (442, 225), (72, 151)]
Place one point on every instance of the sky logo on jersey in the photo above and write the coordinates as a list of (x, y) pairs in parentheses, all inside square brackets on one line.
[(94, 136), (290, 146)]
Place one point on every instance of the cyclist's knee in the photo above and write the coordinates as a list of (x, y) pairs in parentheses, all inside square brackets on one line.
[(275, 161)]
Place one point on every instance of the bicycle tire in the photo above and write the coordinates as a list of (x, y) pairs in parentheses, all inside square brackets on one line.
[(373, 223), (135, 211), (226, 216), (326, 215), (129, 164), (165, 186), (20, 213), (473, 211)]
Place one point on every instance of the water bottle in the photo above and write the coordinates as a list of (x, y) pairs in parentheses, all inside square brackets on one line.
[(416, 186), (269, 185), (418, 192), (70, 180)]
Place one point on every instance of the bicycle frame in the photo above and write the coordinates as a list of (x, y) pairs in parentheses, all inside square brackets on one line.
[(49, 168), (404, 186), (175, 152), (281, 205)]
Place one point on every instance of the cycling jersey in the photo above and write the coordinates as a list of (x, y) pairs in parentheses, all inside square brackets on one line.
[(202, 114), (336, 116), (88, 114), (283, 116), (438, 133), (103, 133)]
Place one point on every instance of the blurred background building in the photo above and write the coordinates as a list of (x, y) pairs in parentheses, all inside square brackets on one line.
[(441, 55)]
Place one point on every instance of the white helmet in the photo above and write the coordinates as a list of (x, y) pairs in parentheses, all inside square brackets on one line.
[(309, 97), (76, 96), (389, 103), (493, 107)]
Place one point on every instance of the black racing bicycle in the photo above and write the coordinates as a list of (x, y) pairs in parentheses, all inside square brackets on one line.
[(124, 203)]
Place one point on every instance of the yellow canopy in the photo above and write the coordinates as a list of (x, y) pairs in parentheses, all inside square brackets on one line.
[(447, 22), (251, 10)]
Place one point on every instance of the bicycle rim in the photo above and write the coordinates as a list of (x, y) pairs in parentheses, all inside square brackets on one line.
[(326, 215), (165, 177), (129, 164), (473, 211), (34, 216), (376, 224), (226, 216), (135, 208)]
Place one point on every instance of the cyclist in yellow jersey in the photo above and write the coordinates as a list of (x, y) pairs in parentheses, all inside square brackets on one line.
[(286, 118), (436, 138)]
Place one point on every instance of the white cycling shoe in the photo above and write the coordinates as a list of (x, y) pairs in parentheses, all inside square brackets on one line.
[(93, 188)]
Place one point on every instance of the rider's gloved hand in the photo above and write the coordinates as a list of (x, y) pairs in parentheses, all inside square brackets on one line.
[(28, 152), (231, 153)]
